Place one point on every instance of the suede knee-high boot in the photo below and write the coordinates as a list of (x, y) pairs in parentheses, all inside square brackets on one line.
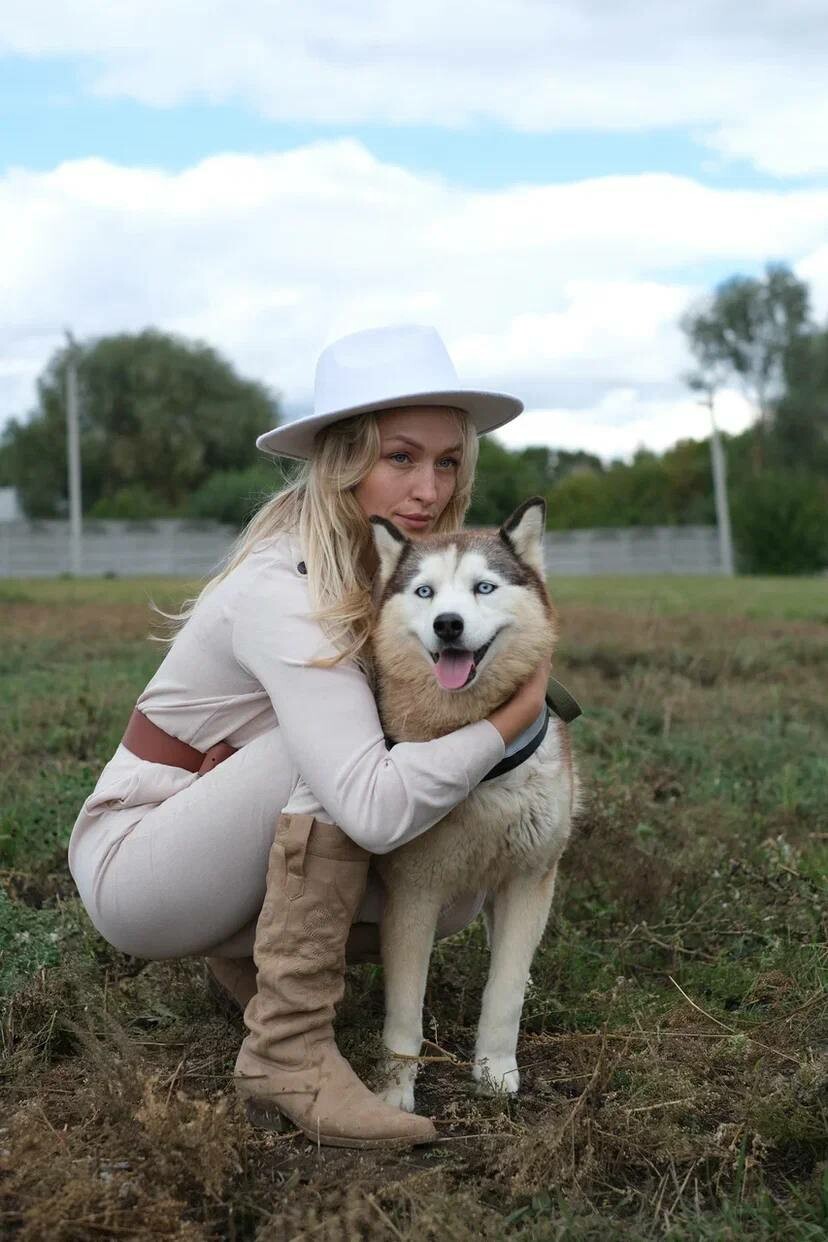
[(289, 1065), (231, 981)]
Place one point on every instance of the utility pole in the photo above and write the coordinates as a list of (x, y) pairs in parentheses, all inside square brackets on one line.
[(717, 459), (73, 457)]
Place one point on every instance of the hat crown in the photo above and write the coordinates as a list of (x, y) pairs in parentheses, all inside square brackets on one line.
[(380, 363), (381, 368)]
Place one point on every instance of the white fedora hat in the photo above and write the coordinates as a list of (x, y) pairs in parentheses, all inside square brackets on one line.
[(407, 364)]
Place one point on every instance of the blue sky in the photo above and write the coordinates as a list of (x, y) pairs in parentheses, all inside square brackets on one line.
[(47, 115), (550, 189)]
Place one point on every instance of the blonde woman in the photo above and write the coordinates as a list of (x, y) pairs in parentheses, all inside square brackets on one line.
[(238, 816)]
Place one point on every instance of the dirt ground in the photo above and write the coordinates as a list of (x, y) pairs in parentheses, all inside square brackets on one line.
[(673, 1048)]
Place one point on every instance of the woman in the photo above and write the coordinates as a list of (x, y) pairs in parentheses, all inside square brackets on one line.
[(262, 711)]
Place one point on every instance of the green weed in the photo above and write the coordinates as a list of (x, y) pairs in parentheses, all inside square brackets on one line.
[(673, 1049)]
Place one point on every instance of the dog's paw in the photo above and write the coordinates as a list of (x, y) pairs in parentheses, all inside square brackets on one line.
[(396, 1083), (496, 1075), (400, 1095)]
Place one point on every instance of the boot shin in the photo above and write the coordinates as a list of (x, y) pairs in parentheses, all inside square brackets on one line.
[(316, 879)]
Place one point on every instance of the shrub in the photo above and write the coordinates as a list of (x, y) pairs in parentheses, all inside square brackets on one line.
[(233, 496), (780, 525), (133, 503)]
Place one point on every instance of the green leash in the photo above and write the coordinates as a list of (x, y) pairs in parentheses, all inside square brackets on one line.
[(562, 703)]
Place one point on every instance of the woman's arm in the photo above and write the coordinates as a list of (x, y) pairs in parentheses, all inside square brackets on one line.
[(331, 726), (525, 705)]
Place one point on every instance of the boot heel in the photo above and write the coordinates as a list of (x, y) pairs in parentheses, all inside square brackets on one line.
[(222, 999), (267, 1117)]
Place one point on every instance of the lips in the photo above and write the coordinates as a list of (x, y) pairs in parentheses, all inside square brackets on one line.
[(455, 666)]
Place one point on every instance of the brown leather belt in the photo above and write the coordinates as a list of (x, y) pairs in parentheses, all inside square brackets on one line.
[(147, 741)]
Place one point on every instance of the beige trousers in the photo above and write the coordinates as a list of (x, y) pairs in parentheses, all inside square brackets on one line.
[(186, 875)]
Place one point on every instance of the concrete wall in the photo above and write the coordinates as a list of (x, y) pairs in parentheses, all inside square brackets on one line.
[(193, 549), (634, 550), (10, 510), (128, 549)]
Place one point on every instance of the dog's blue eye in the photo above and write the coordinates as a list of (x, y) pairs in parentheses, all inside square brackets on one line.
[(428, 592), (486, 588)]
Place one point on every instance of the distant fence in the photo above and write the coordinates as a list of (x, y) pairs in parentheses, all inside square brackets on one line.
[(634, 550), (126, 549), (193, 549)]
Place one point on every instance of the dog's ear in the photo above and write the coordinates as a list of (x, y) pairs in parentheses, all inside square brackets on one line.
[(390, 544), (523, 532)]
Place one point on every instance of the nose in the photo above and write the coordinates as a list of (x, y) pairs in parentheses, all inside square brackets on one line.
[(425, 486), (448, 626)]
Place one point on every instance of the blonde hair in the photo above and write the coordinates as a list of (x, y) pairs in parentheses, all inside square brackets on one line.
[(319, 505)]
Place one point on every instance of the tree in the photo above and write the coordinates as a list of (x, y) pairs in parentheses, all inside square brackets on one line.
[(33, 460), (233, 496), (501, 483), (158, 413), (129, 504), (744, 332), (673, 489), (781, 524), (799, 436), (506, 477)]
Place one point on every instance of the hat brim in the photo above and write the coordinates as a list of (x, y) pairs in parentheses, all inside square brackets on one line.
[(487, 411)]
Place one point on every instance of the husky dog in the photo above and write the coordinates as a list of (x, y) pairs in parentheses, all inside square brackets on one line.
[(461, 622)]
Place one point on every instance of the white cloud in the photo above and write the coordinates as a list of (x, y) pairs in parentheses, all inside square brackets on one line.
[(749, 83), (624, 420), (814, 270), (566, 294)]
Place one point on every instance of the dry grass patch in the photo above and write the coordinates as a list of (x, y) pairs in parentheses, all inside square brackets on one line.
[(673, 1049)]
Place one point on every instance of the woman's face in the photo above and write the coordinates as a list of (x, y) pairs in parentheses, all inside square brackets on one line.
[(416, 472)]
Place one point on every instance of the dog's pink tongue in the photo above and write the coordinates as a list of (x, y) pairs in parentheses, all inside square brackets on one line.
[(452, 668)]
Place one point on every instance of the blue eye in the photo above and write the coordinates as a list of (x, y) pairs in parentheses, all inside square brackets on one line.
[(453, 461), (428, 592), (485, 588)]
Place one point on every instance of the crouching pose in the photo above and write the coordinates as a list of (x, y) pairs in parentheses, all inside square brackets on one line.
[(238, 816)]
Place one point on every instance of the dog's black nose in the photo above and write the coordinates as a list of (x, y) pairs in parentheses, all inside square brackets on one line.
[(448, 626)]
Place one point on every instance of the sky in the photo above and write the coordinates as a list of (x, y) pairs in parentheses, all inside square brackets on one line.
[(550, 183)]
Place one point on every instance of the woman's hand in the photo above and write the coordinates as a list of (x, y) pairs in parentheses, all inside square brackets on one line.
[(525, 705)]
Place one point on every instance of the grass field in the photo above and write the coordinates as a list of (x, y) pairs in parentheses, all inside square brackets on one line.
[(675, 1034)]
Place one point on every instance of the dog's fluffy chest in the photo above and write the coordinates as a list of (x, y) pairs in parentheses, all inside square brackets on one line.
[(519, 821)]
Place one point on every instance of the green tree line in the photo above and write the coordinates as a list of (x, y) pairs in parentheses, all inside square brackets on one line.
[(160, 417), (168, 428)]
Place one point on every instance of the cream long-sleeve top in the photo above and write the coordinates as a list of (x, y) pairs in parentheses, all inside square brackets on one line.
[(239, 666)]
